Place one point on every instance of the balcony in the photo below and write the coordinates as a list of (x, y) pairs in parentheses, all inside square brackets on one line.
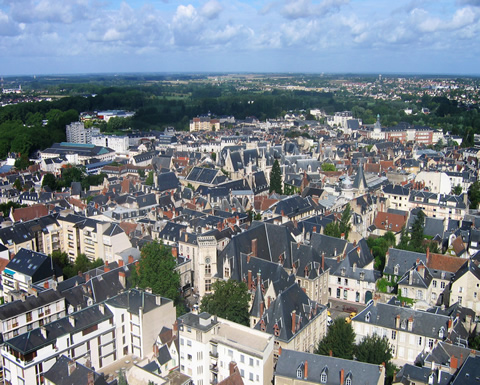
[(214, 368), (214, 354)]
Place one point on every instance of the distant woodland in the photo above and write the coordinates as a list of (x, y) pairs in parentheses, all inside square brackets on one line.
[(162, 104)]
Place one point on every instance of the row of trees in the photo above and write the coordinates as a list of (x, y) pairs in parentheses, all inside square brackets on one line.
[(81, 264), (340, 342)]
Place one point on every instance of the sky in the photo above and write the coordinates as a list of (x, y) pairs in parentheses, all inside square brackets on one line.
[(314, 36)]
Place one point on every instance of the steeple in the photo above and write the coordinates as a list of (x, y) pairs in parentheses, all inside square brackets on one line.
[(360, 182)]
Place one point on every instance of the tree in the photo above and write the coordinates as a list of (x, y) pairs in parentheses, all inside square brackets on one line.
[(156, 270), (229, 300), (17, 184), (141, 173), (328, 167), (340, 340), (50, 181), (23, 162), (332, 229), (376, 350), (276, 178), (345, 221), (457, 190), (416, 235), (149, 180), (474, 194)]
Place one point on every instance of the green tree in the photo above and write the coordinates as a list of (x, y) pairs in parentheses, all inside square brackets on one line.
[(416, 235), (474, 194), (457, 190), (50, 181), (328, 167), (276, 178), (229, 300), (156, 270), (17, 184), (379, 247), (404, 239), (376, 350), (141, 173), (23, 162), (340, 340), (332, 229), (149, 180), (345, 226)]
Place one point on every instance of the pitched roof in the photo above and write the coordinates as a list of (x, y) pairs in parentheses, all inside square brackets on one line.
[(28, 213)]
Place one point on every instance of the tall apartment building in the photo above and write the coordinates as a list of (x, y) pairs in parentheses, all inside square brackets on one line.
[(208, 345), (77, 133), (204, 123), (127, 324)]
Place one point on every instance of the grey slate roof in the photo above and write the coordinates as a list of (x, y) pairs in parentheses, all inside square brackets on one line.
[(360, 373), (59, 374), (411, 373), (404, 259)]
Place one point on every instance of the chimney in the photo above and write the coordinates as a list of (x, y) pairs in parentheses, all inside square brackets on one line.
[(269, 300), (232, 367), (262, 308), (428, 255), (294, 322), (354, 243), (410, 324), (120, 263), (130, 259), (314, 229), (174, 252), (249, 281), (43, 331), (330, 353), (342, 236), (450, 323), (101, 307), (323, 260), (106, 269), (90, 378), (46, 285), (397, 322), (122, 279), (72, 365), (410, 277), (259, 278), (305, 375), (453, 362), (72, 320), (342, 376), (279, 351), (254, 247)]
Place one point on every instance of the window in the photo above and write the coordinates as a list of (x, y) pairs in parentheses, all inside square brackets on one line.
[(367, 317), (250, 376), (348, 381), (339, 280), (420, 340), (299, 373), (434, 283), (460, 289), (208, 269), (208, 285), (459, 300), (189, 343), (475, 294), (181, 341), (250, 362), (242, 373), (394, 334), (189, 357), (226, 273), (338, 293), (345, 294), (346, 282), (323, 378), (242, 358), (419, 294), (430, 343), (29, 316), (442, 285)]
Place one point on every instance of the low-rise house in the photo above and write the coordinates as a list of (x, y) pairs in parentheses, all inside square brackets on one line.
[(300, 368)]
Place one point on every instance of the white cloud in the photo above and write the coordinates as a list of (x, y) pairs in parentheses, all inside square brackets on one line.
[(211, 9)]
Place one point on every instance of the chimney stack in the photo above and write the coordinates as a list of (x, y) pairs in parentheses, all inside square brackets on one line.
[(130, 259), (232, 367), (330, 353), (122, 279), (249, 281), (72, 365), (453, 362), (342, 376), (90, 378), (262, 308), (294, 322), (306, 370), (254, 247)]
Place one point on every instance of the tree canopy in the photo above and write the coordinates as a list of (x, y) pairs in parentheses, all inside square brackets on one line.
[(376, 350), (276, 178), (81, 264), (474, 194), (337, 228), (156, 270), (340, 340), (229, 300), (328, 167)]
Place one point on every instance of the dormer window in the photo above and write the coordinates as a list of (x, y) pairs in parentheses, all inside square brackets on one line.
[(403, 325), (300, 371), (343, 271), (324, 376), (367, 317), (441, 332), (395, 269)]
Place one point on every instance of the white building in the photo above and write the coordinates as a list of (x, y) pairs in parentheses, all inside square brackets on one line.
[(127, 324), (119, 144), (208, 345)]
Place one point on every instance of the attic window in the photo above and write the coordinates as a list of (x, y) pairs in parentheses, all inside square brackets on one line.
[(300, 372), (323, 376), (367, 317)]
